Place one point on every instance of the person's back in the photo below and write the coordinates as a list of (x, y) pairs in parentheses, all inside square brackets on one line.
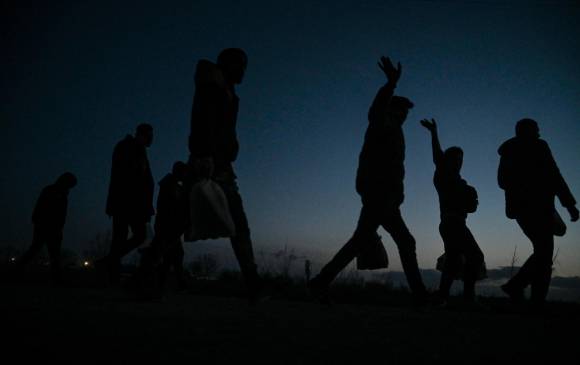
[(131, 185), (530, 177), (381, 160), (50, 209), (456, 197), (213, 116)]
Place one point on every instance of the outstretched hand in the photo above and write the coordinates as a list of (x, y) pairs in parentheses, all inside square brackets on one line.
[(574, 214), (393, 74), (430, 125)]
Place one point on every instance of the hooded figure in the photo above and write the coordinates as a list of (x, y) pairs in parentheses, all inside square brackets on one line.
[(213, 145), (531, 180)]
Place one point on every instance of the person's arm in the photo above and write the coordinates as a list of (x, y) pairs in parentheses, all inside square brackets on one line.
[(561, 188), (431, 126), (204, 115), (40, 207), (380, 104)]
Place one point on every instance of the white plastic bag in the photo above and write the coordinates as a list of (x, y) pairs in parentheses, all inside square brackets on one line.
[(210, 215)]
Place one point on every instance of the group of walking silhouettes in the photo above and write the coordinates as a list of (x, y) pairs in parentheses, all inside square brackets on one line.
[(527, 173)]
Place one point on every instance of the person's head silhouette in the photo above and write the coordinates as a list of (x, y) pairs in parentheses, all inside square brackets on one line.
[(66, 181), (399, 109), (233, 63), (453, 159), (144, 134), (527, 129)]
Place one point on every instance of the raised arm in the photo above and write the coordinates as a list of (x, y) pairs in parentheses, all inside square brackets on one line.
[(431, 126), (382, 100)]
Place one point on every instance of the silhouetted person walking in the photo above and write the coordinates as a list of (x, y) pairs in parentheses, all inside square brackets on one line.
[(531, 180), (49, 217), (170, 224), (130, 199), (213, 145), (456, 200), (379, 182)]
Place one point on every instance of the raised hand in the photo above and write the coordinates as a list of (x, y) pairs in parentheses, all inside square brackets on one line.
[(393, 74), (430, 125), (574, 214)]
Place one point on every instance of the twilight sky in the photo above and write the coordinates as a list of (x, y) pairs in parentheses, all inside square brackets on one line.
[(77, 76)]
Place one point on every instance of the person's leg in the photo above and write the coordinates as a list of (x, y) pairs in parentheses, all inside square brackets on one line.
[(537, 269), (241, 242), (542, 239), (473, 262), (452, 258), (152, 254), (138, 236), (177, 262), (113, 259), (394, 224), (38, 238), (165, 265), (366, 232), (53, 244)]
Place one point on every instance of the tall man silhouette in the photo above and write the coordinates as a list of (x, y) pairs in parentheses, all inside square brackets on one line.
[(49, 217), (213, 145), (130, 199), (531, 179), (379, 182)]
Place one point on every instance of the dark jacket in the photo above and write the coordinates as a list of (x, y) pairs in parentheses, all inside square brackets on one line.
[(131, 187), (50, 209), (381, 168), (213, 116), (172, 208), (456, 197), (530, 177)]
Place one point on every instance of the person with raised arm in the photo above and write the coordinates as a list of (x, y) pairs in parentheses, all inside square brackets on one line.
[(463, 257), (379, 182)]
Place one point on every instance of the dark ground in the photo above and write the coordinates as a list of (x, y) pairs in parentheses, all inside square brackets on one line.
[(85, 323)]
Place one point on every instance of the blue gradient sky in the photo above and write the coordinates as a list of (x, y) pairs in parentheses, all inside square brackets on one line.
[(80, 75)]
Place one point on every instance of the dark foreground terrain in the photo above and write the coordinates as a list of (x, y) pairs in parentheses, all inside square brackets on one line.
[(90, 324)]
